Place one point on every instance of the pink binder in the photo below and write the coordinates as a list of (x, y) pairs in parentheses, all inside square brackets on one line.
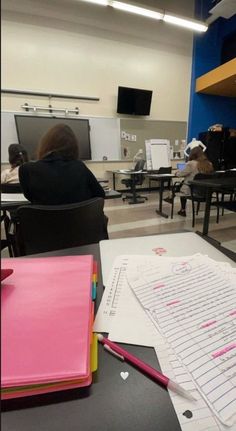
[(46, 324)]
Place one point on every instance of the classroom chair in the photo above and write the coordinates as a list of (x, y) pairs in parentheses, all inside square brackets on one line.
[(132, 182), (7, 216), (43, 228), (197, 195)]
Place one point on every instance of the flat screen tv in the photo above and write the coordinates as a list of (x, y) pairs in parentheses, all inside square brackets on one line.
[(134, 101), (30, 130)]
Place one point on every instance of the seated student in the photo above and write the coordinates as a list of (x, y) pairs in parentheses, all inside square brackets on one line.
[(197, 163), (58, 177), (16, 156)]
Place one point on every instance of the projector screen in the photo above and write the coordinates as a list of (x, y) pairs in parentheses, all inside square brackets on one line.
[(30, 130)]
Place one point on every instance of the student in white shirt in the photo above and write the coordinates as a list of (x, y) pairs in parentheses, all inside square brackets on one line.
[(17, 155)]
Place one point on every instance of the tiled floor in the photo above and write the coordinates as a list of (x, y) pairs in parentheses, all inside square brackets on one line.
[(137, 220)]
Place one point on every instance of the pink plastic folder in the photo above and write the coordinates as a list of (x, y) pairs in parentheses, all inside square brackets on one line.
[(46, 324)]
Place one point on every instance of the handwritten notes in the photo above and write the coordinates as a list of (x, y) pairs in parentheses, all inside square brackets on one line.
[(192, 302)]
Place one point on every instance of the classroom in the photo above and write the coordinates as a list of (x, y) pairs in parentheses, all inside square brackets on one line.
[(146, 87)]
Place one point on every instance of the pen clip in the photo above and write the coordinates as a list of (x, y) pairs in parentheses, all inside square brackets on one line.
[(109, 349)]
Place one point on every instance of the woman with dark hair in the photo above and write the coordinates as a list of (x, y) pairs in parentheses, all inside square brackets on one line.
[(197, 163), (58, 177), (16, 156)]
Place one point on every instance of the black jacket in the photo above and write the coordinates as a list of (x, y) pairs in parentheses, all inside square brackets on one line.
[(54, 181)]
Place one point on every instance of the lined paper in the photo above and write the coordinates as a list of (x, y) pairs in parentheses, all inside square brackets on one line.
[(193, 306)]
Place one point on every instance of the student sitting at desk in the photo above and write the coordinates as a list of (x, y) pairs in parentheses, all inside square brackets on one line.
[(16, 156), (197, 163), (58, 177)]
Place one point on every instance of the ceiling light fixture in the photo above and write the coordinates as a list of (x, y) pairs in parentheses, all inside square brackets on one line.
[(136, 9), (99, 2), (183, 22), (159, 15)]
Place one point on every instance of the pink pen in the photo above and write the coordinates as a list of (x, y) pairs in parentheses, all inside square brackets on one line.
[(145, 368)]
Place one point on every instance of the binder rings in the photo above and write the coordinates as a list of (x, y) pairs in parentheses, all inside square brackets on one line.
[(47, 315)]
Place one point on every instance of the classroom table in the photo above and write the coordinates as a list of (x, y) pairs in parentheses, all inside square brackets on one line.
[(220, 185), (162, 178), (110, 404), (11, 201)]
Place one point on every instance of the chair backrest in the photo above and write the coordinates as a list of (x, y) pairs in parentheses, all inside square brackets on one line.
[(11, 188), (165, 170), (229, 174), (139, 178), (139, 165), (44, 228), (200, 191)]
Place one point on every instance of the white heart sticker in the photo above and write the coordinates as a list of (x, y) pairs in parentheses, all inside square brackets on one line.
[(124, 375)]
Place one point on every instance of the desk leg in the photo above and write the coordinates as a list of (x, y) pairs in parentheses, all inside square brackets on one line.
[(207, 212), (114, 180), (159, 211)]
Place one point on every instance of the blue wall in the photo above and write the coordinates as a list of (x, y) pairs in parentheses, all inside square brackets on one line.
[(206, 110)]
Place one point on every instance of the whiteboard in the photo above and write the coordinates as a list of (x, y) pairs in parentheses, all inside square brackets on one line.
[(158, 153), (104, 136), (8, 134)]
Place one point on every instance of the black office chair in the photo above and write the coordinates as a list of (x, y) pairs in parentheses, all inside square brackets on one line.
[(230, 202), (7, 216), (42, 228), (132, 182), (162, 170), (197, 194)]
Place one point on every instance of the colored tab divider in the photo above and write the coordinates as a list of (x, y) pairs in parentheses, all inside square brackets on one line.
[(94, 280)]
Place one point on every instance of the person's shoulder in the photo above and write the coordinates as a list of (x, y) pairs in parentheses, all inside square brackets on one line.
[(192, 163), (78, 164), (28, 166)]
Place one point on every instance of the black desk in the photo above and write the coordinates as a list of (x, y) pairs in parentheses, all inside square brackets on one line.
[(162, 178), (110, 404), (211, 185)]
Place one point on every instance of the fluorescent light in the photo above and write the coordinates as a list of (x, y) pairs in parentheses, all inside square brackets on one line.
[(100, 2), (182, 22), (135, 9), (193, 25)]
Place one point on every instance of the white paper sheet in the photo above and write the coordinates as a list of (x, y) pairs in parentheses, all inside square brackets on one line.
[(194, 307), (130, 324), (192, 415), (115, 283), (108, 305)]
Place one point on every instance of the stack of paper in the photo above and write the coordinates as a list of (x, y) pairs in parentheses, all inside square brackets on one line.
[(47, 318), (185, 308)]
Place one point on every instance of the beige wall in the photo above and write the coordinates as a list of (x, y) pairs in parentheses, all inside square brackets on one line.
[(51, 55), (81, 49)]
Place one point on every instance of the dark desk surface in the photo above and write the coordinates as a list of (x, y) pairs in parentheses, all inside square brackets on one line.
[(110, 404)]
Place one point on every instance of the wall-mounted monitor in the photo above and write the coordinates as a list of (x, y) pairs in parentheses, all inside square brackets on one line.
[(31, 128), (134, 101)]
